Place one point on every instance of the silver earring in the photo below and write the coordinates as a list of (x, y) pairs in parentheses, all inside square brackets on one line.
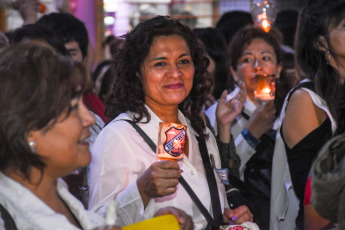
[(32, 146)]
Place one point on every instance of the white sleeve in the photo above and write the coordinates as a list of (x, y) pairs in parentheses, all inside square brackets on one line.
[(117, 162)]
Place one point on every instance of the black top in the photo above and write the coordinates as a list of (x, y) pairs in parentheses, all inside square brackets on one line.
[(300, 159)]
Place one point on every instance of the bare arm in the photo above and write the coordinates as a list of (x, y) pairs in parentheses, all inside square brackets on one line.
[(312, 220), (301, 118)]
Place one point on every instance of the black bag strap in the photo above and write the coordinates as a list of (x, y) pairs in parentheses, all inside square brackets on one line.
[(7, 218), (143, 135), (212, 183), (213, 223)]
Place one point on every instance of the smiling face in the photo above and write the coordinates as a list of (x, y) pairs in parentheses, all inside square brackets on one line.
[(64, 146), (167, 72), (258, 57)]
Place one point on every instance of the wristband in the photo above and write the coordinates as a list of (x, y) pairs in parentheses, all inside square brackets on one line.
[(251, 140)]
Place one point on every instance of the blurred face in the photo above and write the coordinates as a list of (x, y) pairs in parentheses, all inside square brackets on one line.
[(64, 146), (74, 51), (259, 57), (337, 41), (167, 72)]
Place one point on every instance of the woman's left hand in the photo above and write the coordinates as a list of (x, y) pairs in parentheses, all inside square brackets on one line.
[(185, 221), (238, 215), (226, 112)]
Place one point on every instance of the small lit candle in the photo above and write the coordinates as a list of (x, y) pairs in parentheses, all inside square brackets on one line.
[(264, 22), (263, 13), (266, 25), (264, 94), (265, 89)]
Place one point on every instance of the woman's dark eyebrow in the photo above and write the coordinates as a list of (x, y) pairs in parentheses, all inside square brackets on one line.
[(164, 58)]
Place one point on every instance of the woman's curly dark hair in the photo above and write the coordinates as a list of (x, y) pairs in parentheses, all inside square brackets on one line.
[(128, 92)]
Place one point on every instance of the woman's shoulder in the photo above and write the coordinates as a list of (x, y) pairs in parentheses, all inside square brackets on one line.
[(301, 95), (117, 128), (302, 117), (120, 121)]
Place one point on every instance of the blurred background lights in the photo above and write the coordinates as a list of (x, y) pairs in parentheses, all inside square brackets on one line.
[(110, 5), (263, 13), (109, 20)]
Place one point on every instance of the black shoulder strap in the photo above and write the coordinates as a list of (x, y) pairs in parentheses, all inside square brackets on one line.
[(143, 135), (306, 84), (212, 183), (7, 218), (212, 186), (246, 116)]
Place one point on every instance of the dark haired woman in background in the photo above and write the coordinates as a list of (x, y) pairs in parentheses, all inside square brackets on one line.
[(215, 46)]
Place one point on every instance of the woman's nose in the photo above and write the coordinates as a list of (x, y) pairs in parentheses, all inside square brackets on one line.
[(258, 69), (86, 117), (175, 71), (257, 66)]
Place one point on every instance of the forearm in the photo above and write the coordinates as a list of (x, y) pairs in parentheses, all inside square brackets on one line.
[(229, 157), (224, 134)]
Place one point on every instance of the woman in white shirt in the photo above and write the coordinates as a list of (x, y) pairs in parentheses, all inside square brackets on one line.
[(161, 79)]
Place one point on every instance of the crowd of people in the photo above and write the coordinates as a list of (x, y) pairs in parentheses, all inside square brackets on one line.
[(78, 141)]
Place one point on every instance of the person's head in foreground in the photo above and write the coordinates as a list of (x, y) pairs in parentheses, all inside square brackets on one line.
[(43, 132)]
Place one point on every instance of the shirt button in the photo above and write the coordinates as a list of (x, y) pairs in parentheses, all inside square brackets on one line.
[(191, 173)]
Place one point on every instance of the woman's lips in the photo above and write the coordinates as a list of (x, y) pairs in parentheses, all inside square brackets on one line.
[(84, 141), (174, 86)]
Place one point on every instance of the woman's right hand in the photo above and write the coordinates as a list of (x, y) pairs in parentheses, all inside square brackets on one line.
[(159, 180), (262, 119)]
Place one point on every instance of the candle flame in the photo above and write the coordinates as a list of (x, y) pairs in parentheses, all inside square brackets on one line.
[(266, 90), (265, 25)]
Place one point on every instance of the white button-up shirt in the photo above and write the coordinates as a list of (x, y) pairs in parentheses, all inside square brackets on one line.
[(31, 213), (120, 156)]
